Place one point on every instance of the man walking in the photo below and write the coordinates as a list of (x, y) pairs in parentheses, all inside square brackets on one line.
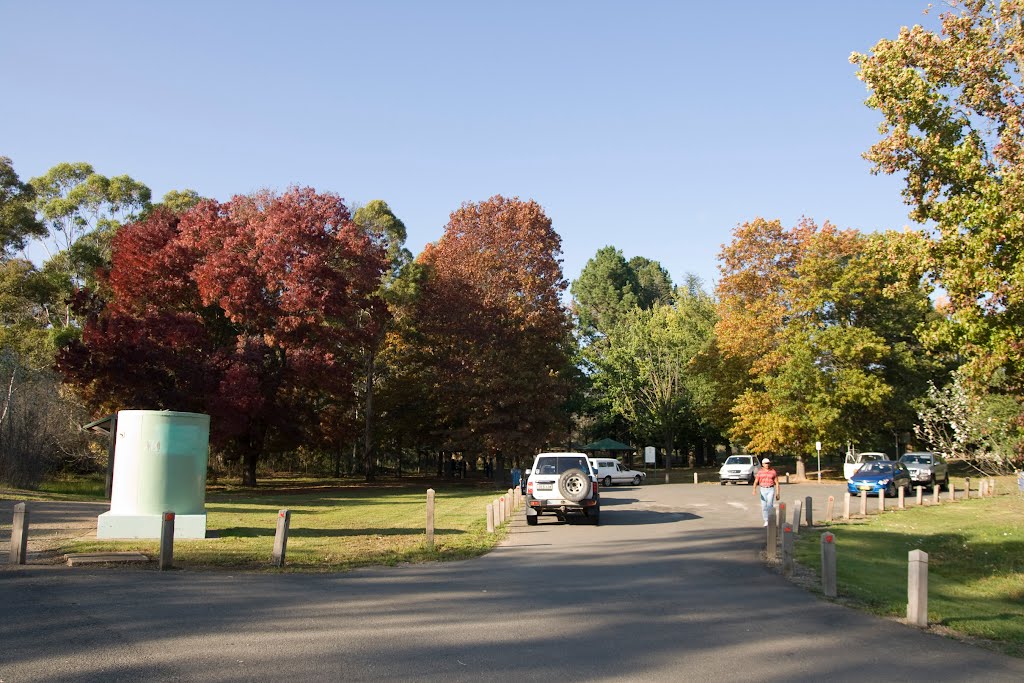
[(766, 484)]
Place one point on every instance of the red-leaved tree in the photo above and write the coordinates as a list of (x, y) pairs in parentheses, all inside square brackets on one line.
[(492, 329), (252, 311)]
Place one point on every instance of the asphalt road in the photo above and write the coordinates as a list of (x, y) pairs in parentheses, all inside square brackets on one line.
[(668, 588)]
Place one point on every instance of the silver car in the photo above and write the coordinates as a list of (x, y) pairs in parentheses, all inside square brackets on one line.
[(927, 469)]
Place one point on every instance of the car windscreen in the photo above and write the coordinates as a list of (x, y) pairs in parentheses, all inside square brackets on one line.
[(917, 459), (875, 468), (737, 460)]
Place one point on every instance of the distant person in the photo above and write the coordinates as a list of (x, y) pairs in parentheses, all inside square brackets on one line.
[(517, 476), (766, 484)]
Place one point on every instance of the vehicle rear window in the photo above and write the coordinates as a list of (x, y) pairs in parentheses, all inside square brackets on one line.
[(559, 464), (876, 467)]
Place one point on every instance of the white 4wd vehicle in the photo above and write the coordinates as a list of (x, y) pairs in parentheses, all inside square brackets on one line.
[(739, 468), (560, 483)]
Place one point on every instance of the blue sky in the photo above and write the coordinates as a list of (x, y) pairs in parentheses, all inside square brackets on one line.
[(655, 127)]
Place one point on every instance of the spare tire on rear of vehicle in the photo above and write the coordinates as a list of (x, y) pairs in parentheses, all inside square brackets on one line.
[(574, 485)]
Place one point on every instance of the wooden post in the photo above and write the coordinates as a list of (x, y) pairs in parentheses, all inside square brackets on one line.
[(809, 511), (430, 518), (830, 509), (19, 534), (780, 513), (772, 545), (490, 518), (920, 496), (846, 505), (967, 488), (917, 588), (902, 505), (787, 549), (787, 477), (828, 565), (502, 514), (992, 486), (881, 501), (935, 494), (167, 541), (797, 505), (863, 503), (284, 519), (952, 492)]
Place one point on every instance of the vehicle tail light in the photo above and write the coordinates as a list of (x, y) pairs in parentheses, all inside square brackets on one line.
[(529, 488), (595, 488)]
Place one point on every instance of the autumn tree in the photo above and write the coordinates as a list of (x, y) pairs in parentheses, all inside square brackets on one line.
[(952, 104), (492, 329), (252, 311), (822, 327)]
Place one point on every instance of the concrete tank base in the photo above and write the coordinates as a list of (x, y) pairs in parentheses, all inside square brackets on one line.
[(109, 525)]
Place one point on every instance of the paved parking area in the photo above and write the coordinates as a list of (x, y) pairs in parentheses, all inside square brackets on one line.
[(668, 588)]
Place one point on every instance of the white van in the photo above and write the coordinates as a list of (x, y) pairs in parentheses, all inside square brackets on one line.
[(611, 471)]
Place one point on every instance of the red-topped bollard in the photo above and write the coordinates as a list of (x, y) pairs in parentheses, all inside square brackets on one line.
[(828, 564)]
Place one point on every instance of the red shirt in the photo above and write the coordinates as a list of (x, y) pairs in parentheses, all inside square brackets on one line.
[(766, 477)]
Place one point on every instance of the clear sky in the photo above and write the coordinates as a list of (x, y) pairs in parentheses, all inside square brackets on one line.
[(655, 127)]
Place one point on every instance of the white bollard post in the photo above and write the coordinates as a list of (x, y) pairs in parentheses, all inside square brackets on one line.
[(935, 494), (828, 565), (902, 505), (490, 518), (780, 516), (19, 534), (881, 501), (284, 518), (846, 505), (917, 588), (771, 547), (694, 477), (430, 518), (797, 510), (920, 496), (830, 509), (863, 504)]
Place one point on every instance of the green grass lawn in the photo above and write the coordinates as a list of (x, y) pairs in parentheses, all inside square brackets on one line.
[(975, 565), (335, 525)]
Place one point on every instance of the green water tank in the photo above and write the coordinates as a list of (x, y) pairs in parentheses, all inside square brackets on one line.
[(160, 461)]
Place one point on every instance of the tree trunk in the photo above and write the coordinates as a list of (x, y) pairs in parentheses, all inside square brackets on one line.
[(669, 445), (249, 468), (368, 417)]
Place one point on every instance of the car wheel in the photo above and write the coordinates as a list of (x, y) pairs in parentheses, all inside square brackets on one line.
[(722, 482), (595, 515), (636, 480), (750, 480), (608, 481), (890, 490), (574, 485), (532, 519)]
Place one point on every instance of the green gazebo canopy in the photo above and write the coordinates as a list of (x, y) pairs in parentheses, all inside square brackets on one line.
[(607, 445)]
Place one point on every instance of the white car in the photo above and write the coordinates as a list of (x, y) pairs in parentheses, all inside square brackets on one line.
[(561, 483), (739, 468), (855, 460), (610, 472)]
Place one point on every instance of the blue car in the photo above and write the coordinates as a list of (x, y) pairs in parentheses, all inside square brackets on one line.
[(880, 477)]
